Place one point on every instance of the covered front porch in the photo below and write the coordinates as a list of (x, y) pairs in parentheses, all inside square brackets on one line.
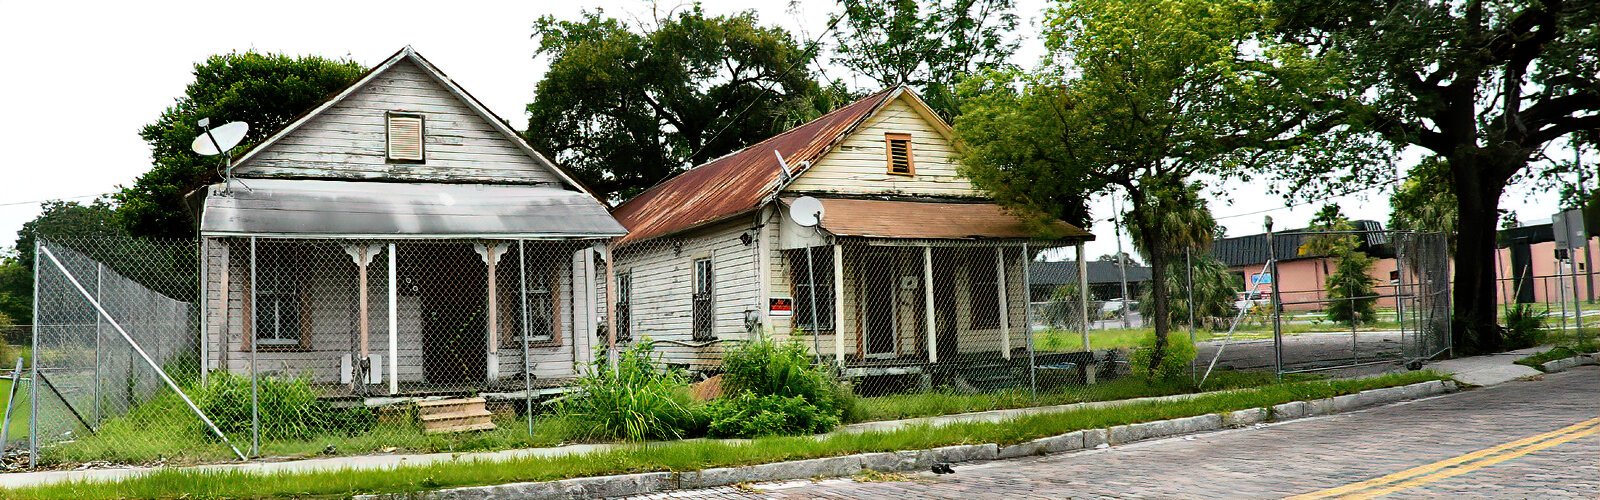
[(918, 300), (482, 291)]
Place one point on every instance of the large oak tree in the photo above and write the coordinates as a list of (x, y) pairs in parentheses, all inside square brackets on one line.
[(1486, 85), (627, 105)]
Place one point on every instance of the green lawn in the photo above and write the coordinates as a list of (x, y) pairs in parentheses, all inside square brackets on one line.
[(901, 406), (686, 455), (19, 411)]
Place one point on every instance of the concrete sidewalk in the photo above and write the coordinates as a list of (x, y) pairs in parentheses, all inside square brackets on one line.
[(1489, 369), (1479, 370)]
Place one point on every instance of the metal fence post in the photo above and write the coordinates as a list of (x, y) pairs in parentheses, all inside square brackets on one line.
[(1188, 261), (33, 379), (99, 287), (1027, 322), (1277, 304), (527, 367), (255, 398)]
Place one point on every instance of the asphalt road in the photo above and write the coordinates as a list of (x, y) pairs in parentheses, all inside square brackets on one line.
[(1524, 439)]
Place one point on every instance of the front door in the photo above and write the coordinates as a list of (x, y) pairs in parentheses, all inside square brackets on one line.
[(881, 288), (451, 287)]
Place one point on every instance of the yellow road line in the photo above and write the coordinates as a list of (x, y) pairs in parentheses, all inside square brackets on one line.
[(1408, 474), (1449, 473)]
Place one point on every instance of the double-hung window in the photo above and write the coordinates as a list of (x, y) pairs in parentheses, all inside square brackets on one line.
[(624, 306), (812, 280), (278, 300)]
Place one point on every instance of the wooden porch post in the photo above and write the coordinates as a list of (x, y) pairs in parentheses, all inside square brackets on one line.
[(490, 251), (394, 333), (838, 303), (1005, 309), (611, 306), (927, 303), (1083, 296), (362, 254)]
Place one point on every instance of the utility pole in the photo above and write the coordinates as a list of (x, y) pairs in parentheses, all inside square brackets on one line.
[(1122, 266)]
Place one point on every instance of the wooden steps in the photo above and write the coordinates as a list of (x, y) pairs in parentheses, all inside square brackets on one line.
[(454, 415)]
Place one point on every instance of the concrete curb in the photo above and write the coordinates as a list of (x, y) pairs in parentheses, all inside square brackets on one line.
[(919, 460), (1569, 363)]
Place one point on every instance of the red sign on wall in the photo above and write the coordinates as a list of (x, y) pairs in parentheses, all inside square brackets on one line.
[(780, 306)]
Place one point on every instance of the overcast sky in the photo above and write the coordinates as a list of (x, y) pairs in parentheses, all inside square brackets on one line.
[(79, 81)]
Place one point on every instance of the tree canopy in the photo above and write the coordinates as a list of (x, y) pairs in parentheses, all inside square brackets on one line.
[(56, 219), (1485, 85), (625, 106), (265, 90), (927, 44), (1139, 98)]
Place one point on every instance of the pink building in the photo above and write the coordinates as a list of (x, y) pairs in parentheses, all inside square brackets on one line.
[(1302, 278)]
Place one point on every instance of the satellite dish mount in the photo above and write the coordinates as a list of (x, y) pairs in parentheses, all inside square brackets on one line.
[(220, 141)]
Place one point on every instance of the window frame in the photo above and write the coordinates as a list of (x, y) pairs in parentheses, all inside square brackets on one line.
[(388, 139), (623, 305), (702, 324), (889, 139), (281, 287), (796, 259)]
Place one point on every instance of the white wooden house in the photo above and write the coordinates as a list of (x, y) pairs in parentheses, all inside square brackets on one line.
[(911, 267), (401, 238)]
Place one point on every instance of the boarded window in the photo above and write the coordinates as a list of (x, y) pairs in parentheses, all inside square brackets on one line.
[(899, 146), (623, 305), (702, 313), (801, 275), (405, 138), (983, 292)]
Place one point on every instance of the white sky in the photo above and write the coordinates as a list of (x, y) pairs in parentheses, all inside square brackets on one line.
[(79, 81)]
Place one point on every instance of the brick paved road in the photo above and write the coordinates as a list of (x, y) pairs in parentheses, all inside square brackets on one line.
[(1290, 458)]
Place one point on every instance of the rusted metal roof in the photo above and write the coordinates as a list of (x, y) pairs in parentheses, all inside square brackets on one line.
[(941, 220), (739, 182)]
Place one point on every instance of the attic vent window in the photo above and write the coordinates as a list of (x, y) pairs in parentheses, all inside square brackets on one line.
[(899, 147), (405, 138)]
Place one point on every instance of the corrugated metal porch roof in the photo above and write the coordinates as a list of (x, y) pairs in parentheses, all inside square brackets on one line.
[(322, 208), (933, 220)]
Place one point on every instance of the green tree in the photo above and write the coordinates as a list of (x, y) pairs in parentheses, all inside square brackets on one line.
[(1332, 242), (1484, 85), (1424, 201), (927, 44), (265, 90), (1142, 97), (1351, 289), (66, 220), (626, 106), (1215, 290)]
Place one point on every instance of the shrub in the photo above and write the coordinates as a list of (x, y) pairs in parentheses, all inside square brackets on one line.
[(765, 367), (635, 401), (749, 415), (1351, 290), (1524, 326), (1174, 365), (290, 408)]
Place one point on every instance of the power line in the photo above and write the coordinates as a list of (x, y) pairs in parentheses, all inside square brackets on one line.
[(1307, 202), (55, 199)]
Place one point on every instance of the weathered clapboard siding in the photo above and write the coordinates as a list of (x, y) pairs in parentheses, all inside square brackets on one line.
[(663, 284), (347, 140), (859, 164)]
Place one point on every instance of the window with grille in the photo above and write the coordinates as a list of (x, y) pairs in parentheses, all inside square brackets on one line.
[(544, 292), (278, 300), (702, 312), (405, 138), (899, 147), (623, 306), (803, 290), (983, 292)]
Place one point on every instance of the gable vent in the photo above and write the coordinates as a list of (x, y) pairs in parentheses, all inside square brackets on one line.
[(899, 146), (405, 138)]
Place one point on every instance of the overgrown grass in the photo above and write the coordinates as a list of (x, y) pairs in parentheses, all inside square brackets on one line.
[(1567, 344), (1055, 340), (684, 455)]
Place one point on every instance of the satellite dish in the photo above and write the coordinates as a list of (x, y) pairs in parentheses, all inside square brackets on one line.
[(218, 140), (806, 211)]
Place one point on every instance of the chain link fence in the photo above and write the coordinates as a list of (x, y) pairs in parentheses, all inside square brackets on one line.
[(240, 347)]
